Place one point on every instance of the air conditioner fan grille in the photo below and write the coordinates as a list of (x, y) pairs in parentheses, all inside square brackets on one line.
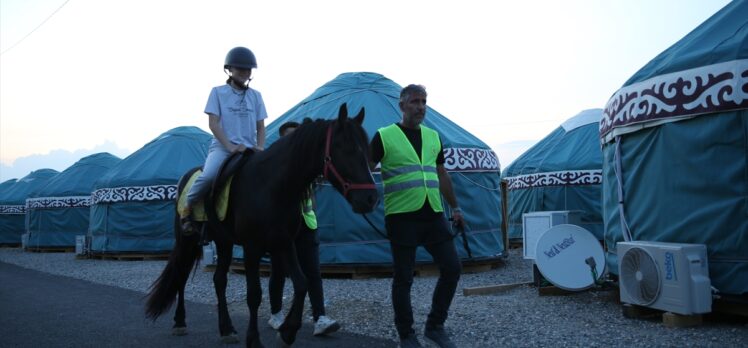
[(639, 276)]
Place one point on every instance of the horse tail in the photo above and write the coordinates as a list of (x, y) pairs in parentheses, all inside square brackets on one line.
[(185, 257)]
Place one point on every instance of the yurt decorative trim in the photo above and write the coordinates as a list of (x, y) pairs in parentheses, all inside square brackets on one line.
[(560, 178), (12, 209), (134, 194), (470, 160), (671, 97), (57, 202)]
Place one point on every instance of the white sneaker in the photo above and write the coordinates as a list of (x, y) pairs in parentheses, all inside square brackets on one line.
[(276, 320), (325, 325)]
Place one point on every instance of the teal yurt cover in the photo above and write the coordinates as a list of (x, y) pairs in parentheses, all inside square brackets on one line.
[(59, 211), (345, 237), (5, 186), (563, 171), (13, 204), (132, 205), (6, 211), (675, 149)]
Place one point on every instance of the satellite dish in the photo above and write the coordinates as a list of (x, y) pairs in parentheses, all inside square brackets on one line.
[(566, 256)]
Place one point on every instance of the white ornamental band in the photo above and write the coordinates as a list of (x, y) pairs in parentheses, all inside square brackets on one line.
[(675, 96), (470, 160), (560, 178), (134, 194), (12, 209), (57, 202)]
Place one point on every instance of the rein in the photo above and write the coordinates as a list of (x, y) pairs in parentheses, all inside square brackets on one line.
[(330, 168)]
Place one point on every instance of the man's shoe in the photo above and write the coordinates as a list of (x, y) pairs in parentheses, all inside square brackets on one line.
[(324, 325), (439, 337), (410, 341), (276, 320)]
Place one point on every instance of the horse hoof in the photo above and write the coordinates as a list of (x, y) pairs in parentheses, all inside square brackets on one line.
[(179, 331), (281, 342), (230, 339)]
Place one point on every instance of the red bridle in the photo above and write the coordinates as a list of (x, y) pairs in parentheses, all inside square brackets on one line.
[(329, 167)]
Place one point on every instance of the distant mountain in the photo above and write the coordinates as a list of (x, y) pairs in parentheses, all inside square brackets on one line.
[(56, 159)]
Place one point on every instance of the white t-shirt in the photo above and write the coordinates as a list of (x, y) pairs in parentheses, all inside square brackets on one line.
[(239, 112)]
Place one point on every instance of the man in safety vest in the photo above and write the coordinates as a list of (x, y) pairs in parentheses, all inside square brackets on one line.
[(412, 164), (307, 251)]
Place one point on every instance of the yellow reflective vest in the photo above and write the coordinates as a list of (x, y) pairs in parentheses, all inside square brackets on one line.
[(307, 212), (408, 180)]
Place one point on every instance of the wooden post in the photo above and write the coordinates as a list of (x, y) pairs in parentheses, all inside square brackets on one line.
[(483, 290), (504, 215)]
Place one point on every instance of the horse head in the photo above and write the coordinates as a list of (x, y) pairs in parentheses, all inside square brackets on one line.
[(346, 161)]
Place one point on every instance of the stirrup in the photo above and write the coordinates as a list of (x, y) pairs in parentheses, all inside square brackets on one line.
[(188, 225)]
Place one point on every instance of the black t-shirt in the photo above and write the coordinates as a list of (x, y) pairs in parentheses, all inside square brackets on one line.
[(414, 136)]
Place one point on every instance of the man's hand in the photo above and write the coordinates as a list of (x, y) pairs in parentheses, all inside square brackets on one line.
[(458, 220)]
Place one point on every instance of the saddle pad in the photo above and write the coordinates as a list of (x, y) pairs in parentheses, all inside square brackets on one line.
[(198, 211)]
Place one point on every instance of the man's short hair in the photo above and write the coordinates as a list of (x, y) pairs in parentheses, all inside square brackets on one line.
[(411, 89), (287, 125)]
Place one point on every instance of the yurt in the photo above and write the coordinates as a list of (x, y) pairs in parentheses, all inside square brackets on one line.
[(675, 150), (6, 210), (13, 205), (5, 185), (59, 211), (346, 237), (562, 172), (132, 205)]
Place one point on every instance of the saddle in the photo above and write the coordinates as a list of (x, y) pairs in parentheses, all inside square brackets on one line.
[(219, 194)]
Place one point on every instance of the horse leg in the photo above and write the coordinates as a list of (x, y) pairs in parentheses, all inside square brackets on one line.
[(292, 324), (252, 255), (180, 325), (220, 280)]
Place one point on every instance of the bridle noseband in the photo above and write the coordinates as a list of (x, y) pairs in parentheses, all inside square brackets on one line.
[(330, 168)]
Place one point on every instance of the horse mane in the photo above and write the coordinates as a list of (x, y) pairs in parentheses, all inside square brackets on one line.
[(290, 169)]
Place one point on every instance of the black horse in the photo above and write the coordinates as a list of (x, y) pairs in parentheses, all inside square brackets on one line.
[(264, 215)]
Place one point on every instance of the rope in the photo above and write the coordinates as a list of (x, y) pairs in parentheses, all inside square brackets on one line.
[(479, 185)]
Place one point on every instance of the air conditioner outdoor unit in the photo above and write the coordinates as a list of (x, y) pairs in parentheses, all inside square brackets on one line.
[(672, 277)]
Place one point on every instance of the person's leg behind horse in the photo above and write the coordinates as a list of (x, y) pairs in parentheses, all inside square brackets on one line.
[(217, 154), (275, 290), (307, 250), (252, 255), (292, 323), (445, 256)]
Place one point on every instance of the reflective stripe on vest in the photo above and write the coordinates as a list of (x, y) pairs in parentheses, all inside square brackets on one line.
[(408, 180), (407, 169)]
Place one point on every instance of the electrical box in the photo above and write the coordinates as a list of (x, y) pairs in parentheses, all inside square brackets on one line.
[(536, 223)]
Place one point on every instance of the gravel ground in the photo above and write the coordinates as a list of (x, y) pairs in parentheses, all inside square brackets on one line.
[(516, 318)]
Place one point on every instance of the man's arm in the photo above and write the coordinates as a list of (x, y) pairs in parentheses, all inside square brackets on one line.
[(445, 187), (376, 151)]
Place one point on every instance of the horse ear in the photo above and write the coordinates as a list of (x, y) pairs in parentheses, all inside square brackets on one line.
[(360, 117), (343, 113)]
